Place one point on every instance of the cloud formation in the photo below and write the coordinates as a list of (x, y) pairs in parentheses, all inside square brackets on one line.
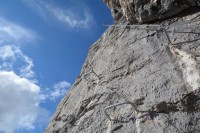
[(12, 58), (69, 17), (20, 95), (11, 32), (19, 102), (59, 90), (56, 91)]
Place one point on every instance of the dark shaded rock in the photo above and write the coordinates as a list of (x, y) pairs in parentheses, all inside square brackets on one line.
[(148, 10)]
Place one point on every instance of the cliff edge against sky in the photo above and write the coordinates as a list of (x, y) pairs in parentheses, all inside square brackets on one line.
[(155, 68)]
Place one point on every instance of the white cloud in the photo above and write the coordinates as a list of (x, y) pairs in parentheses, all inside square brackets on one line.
[(20, 96), (11, 58), (19, 102), (68, 17), (59, 89), (19, 93), (11, 32), (71, 19)]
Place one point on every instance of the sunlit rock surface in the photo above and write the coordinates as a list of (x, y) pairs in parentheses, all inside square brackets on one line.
[(142, 66)]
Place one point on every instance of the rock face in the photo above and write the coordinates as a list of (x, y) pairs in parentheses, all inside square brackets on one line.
[(160, 77), (148, 10)]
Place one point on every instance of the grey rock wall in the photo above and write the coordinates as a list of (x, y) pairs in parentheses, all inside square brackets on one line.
[(148, 10), (143, 67)]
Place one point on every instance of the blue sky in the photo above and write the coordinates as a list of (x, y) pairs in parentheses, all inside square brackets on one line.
[(43, 45)]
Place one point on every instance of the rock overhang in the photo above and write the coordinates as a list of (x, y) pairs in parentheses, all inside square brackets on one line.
[(143, 11)]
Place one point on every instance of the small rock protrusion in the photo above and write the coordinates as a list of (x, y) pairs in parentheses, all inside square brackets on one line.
[(70, 118), (63, 130)]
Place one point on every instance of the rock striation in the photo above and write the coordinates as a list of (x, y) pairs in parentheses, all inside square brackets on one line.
[(155, 68)]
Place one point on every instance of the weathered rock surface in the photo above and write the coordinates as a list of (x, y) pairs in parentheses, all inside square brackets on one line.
[(141, 66), (148, 10)]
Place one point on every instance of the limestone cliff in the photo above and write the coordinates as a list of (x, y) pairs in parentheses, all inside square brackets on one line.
[(153, 67)]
